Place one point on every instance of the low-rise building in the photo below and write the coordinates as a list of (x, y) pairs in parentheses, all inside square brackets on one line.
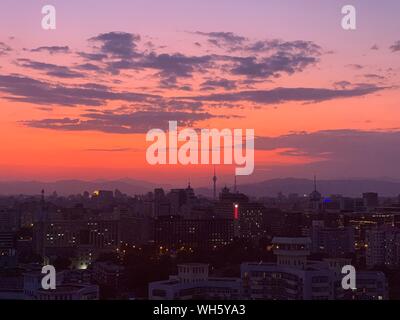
[(193, 282), (69, 292)]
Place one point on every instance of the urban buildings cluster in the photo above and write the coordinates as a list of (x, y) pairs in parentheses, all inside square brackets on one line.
[(302, 243)]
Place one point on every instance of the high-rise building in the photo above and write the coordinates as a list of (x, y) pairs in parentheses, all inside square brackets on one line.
[(41, 217), (177, 198), (251, 221), (109, 274), (383, 246), (209, 232), (315, 198), (371, 199), (332, 241), (8, 219)]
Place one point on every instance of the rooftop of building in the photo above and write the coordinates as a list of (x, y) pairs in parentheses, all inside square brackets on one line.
[(287, 240), (108, 265), (67, 288), (311, 265), (212, 281), (193, 264)]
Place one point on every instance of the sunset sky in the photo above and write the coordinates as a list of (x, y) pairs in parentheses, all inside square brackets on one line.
[(76, 102)]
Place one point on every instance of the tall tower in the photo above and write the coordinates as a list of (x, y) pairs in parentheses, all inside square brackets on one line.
[(215, 185), (235, 186), (315, 198)]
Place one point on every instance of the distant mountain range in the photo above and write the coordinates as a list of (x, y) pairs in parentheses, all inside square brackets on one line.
[(287, 186), (68, 187), (272, 187)]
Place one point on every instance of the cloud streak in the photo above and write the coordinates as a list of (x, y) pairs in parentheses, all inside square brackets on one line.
[(121, 123), (223, 39), (52, 49), (49, 69), (25, 89), (4, 49), (281, 95), (373, 152), (395, 47), (117, 44)]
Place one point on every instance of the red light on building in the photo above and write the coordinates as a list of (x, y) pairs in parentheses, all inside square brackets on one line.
[(236, 211)]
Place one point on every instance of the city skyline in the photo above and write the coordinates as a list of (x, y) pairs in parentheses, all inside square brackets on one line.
[(77, 101), (176, 245)]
